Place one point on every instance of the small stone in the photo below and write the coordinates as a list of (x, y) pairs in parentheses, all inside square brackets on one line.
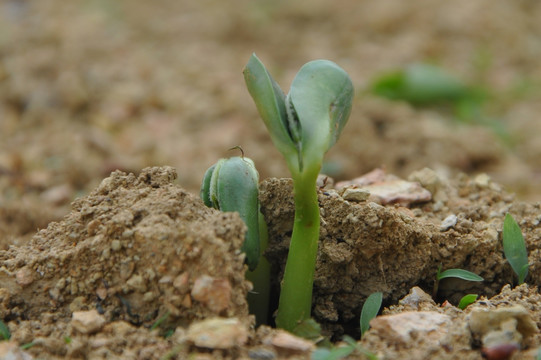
[(286, 341), (217, 333), (24, 277), (354, 194), (87, 322), (448, 222), (482, 180), (214, 293), (136, 282), (404, 328), (115, 245), (181, 282), (10, 350), (503, 325), (416, 297)]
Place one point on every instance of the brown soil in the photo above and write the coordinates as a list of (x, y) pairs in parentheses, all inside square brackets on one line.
[(88, 87)]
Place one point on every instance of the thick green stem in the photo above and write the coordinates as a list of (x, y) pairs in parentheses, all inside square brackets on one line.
[(296, 293)]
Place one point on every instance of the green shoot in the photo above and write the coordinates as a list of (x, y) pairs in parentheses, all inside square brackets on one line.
[(303, 126), (453, 273), (159, 321), (232, 185), (467, 300), (4, 331), (341, 352), (514, 248), (370, 310)]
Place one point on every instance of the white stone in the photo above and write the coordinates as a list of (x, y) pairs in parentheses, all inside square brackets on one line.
[(87, 322), (217, 333)]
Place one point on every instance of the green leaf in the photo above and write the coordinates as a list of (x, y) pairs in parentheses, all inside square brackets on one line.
[(4, 331), (421, 84), (514, 247), (270, 103), (321, 96), (460, 274), (370, 310), (467, 300), (332, 354)]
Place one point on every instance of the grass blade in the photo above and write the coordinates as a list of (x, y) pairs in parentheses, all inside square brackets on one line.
[(370, 310)]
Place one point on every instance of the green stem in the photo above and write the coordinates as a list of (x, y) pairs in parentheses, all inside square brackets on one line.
[(296, 293)]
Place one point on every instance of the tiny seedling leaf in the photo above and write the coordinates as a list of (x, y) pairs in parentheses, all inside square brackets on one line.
[(460, 274), (308, 329), (514, 248), (467, 300), (4, 331), (332, 354), (370, 310)]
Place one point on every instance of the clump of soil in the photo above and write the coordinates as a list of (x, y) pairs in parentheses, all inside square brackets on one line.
[(137, 248)]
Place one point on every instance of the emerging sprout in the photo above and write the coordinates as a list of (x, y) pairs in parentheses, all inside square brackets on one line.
[(303, 126), (232, 185), (514, 248)]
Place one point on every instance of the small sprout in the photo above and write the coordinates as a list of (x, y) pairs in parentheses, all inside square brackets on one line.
[(309, 329), (4, 331), (467, 300), (232, 185), (159, 321), (514, 248), (421, 84), (453, 273), (303, 126), (370, 310), (342, 351)]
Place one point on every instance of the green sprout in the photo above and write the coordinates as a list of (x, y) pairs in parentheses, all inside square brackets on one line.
[(467, 300), (453, 273), (232, 185), (370, 310), (4, 331), (514, 248), (303, 126)]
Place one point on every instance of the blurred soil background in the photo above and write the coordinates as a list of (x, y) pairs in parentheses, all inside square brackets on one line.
[(90, 86)]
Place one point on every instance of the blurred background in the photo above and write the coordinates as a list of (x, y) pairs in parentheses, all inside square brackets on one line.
[(90, 86)]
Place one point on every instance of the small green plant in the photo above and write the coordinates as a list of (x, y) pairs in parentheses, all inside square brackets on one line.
[(232, 185), (4, 331), (467, 300), (342, 351), (303, 126), (370, 310), (514, 248), (453, 273)]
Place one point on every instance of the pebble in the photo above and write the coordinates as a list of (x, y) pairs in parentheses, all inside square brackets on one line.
[(404, 328), (506, 325), (217, 333), (87, 322), (448, 222), (286, 341), (355, 194), (10, 350), (214, 293)]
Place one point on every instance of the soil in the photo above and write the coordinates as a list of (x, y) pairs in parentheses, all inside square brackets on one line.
[(106, 251)]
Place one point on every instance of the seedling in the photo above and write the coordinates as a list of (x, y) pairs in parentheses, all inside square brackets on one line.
[(453, 273), (232, 185), (370, 310), (467, 300), (4, 331), (341, 352), (514, 248), (303, 126)]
